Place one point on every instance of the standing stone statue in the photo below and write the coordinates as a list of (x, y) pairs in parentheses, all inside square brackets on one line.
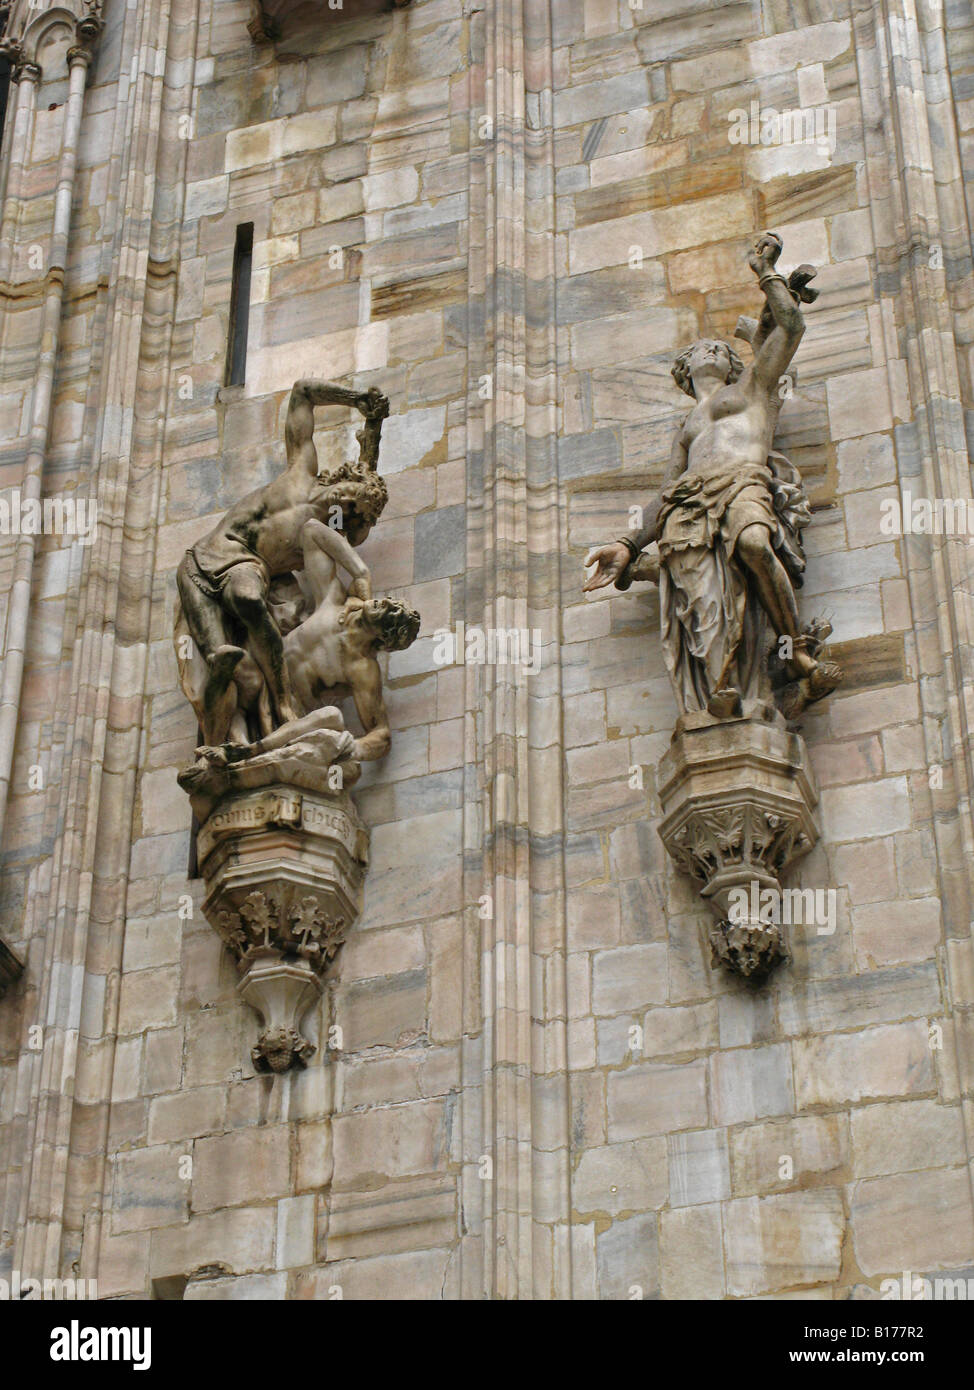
[(727, 522)]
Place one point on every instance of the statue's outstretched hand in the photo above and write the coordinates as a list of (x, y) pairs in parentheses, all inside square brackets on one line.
[(609, 560)]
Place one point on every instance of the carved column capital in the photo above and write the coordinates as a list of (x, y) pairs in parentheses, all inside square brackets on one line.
[(79, 54)]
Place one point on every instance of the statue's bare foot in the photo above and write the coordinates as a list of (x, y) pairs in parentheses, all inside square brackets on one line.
[(212, 756), (725, 704), (223, 754), (821, 681)]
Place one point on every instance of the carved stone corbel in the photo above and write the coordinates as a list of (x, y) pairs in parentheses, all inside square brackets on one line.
[(260, 27), (284, 871), (737, 797)]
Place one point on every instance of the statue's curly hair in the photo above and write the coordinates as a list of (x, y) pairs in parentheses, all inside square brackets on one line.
[(358, 488), (680, 370), (398, 625)]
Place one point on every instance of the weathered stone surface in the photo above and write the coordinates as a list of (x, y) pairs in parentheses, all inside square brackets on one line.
[(804, 1152), (654, 1098), (777, 1242), (246, 1166), (627, 1255), (698, 1167), (691, 1253), (392, 1142), (621, 1178), (524, 1017), (916, 1221), (893, 1060)]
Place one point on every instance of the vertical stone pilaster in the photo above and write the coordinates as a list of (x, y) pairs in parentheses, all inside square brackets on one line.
[(66, 1089), (514, 545), (914, 176)]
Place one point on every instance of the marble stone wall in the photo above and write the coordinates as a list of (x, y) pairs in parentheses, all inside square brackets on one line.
[(508, 215)]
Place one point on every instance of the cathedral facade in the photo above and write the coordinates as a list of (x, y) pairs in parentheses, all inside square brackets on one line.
[(531, 1067)]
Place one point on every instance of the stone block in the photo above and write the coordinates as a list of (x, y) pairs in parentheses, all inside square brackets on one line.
[(912, 1221), (673, 1031), (187, 1115), (750, 1083), (389, 1011), (621, 1177), (907, 1136), (295, 1232), (777, 1242), (410, 1215), (417, 1276), (394, 1142), (245, 1166), (628, 978), (148, 1189), (698, 1167), (242, 1239), (816, 1147), (627, 1256), (656, 1098), (691, 1253), (872, 1063), (892, 933)]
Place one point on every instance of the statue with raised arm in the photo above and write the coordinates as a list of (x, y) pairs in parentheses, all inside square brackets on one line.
[(275, 626), (727, 522), (225, 579)]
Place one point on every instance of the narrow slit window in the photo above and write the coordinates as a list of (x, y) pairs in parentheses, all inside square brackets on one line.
[(4, 90), (243, 254)]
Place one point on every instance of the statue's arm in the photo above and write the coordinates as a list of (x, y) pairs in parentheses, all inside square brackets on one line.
[(299, 427), (375, 407), (315, 535), (779, 347), (613, 562), (366, 683)]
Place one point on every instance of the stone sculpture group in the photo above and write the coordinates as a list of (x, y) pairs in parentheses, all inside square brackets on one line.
[(270, 638)]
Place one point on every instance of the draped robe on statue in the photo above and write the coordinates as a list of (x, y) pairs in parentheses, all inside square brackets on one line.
[(715, 632)]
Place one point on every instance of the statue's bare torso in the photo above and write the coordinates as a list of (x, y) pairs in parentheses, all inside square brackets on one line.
[(268, 523), (733, 428)]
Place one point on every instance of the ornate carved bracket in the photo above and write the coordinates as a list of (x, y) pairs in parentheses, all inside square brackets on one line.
[(737, 800), (284, 873)]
